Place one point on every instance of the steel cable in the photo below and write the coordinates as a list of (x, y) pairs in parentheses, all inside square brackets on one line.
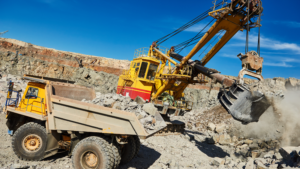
[(196, 35), (189, 24)]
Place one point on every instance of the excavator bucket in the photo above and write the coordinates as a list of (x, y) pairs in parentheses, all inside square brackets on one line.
[(243, 104)]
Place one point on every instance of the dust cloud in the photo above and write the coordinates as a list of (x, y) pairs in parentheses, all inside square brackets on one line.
[(281, 122), (289, 110)]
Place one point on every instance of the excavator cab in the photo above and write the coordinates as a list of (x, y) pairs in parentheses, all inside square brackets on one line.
[(140, 78)]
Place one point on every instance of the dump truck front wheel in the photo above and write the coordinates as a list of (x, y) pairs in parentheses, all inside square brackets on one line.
[(92, 153), (29, 142)]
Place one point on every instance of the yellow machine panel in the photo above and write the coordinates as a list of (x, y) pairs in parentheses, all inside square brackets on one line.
[(139, 80), (33, 99)]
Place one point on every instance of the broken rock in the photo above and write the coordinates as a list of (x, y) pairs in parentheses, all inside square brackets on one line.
[(255, 154), (211, 126), (225, 139), (250, 164), (220, 127), (150, 109), (108, 103), (146, 120), (260, 165), (139, 100)]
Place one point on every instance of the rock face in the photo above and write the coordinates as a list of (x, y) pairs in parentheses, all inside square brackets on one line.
[(101, 81), (64, 58)]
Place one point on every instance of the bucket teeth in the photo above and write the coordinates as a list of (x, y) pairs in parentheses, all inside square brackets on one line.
[(225, 102), (243, 105), (232, 93), (228, 98)]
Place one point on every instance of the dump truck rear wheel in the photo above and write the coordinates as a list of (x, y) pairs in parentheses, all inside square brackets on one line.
[(137, 145), (93, 153), (116, 151), (128, 150), (29, 142)]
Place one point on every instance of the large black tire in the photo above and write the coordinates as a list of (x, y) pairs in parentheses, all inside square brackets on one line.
[(29, 142), (93, 153), (137, 145), (116, 151), (128, 151)]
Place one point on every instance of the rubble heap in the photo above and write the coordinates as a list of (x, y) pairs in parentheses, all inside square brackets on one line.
[(145, 112)]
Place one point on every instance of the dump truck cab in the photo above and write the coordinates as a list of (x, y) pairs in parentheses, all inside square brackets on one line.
[(34, 99)]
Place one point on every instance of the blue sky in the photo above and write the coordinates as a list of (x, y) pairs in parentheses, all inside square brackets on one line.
[(114, 29)]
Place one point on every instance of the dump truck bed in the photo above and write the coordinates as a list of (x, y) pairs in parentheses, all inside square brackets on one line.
[(73, 115)]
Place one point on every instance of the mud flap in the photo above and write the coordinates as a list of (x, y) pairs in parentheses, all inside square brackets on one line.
[(244, 105)]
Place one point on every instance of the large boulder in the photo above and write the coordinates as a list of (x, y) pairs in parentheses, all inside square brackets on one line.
[(139, 100), (225, 139), (211, 126), (150, 109), (220, 127)]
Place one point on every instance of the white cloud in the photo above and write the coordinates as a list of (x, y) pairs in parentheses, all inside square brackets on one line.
[(293, 24), (229, 56), (197, 28), (280, 61), (271, 60), (266, 43), (282, 64)]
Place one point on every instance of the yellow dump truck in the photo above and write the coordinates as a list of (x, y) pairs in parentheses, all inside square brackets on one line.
[(51, 117)]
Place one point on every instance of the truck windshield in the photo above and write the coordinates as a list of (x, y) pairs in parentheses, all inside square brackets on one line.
[(143, 70), (32, 93), (152, 71)]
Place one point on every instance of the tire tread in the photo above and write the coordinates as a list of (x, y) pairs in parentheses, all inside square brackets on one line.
[(105, 148), (130, 149), (22, 129)]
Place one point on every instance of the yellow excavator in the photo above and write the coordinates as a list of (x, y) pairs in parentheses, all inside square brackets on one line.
[(160, 75)]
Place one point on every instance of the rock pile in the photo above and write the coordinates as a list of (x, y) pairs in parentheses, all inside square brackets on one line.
[(200, 118), (147, 113), (201, 98)]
